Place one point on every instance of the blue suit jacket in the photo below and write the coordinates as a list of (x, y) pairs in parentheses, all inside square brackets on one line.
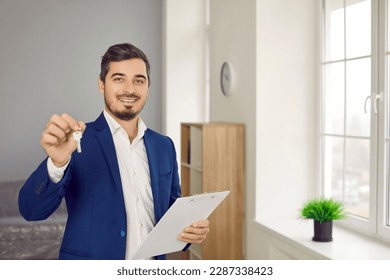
[(96, 227)]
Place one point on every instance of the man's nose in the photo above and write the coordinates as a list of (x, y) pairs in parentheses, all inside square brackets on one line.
[(130, 87)]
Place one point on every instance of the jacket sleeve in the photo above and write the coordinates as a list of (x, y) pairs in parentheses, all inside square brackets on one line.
[(175, 188), (39, 197)]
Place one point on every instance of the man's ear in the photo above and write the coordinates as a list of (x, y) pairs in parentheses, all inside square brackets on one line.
[(101, 86)]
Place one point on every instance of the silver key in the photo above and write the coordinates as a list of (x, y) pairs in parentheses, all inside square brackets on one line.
[(77, 137)]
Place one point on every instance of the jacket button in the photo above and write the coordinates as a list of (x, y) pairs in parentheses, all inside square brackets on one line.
[(123, 233)]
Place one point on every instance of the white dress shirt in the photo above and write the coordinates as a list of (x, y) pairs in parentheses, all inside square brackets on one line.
[(135, 178)]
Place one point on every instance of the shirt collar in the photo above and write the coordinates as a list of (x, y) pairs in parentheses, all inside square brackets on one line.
[(115, 126)]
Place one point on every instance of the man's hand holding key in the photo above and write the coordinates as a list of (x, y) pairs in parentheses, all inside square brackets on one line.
[(58, 139)]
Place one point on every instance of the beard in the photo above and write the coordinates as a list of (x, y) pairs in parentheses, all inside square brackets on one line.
[(126, 114)]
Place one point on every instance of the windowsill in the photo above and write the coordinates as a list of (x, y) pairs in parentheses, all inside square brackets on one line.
[(346, 244)]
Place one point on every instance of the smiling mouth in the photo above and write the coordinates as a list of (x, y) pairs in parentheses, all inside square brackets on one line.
[(127, 99)]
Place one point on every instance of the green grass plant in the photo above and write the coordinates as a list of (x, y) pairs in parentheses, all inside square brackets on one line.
[(323, 210)]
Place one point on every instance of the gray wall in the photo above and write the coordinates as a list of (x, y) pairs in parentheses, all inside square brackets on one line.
[(50, 53)]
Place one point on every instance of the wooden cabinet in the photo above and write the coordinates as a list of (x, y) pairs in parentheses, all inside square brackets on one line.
[(212, 159)]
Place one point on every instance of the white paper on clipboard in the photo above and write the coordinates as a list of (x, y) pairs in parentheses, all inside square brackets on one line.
[(163, 238)]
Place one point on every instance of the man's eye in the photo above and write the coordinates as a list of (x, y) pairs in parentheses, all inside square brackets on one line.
[(119, 80), (139, 82)]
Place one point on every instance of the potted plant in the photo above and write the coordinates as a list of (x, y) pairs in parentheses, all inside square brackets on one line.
[(323, 211)]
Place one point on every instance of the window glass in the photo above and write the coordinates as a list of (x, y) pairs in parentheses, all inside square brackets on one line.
[(333, 168), (334, 21), (358, 88), (334, 98), (358, 28), (357, 177), (346, 115)]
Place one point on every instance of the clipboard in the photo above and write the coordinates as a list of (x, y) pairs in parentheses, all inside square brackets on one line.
[(163, 238)]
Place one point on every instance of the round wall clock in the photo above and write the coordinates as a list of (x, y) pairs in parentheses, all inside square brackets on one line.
[(228, 78)]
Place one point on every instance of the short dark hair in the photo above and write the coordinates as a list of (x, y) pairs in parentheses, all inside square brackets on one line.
[(121, 52)]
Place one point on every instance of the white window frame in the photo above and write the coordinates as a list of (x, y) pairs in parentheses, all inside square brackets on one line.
[(383, 201), (379, 197)]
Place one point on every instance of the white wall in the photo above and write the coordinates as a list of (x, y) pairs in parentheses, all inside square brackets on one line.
[(184, 65), (233, 39), (273, 45), (287, 76), (50, 53)]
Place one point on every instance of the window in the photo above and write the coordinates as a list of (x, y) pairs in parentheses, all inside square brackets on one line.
[(354, 133)]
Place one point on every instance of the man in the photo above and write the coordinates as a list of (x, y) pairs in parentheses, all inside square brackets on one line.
[(125, 177)]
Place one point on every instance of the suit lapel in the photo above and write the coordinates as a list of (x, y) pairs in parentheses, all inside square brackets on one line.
[(104, 137)]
